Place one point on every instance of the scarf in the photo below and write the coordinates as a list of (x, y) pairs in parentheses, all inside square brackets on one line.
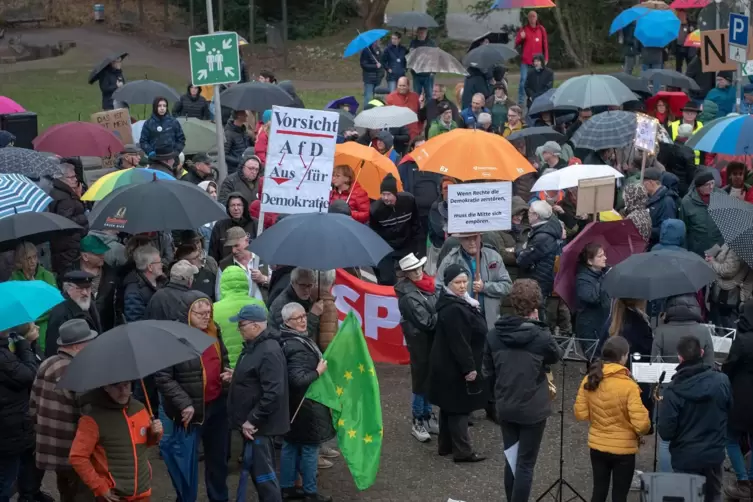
[(705, 198), (468, 298), (426, 284)]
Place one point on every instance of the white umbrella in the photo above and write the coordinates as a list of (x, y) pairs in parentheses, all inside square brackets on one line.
[(136, 128), (384, 117), (568, 177)]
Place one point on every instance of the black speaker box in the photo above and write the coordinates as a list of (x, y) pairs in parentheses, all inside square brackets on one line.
[(22, 125)]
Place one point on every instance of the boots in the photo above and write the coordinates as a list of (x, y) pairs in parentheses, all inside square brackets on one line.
[(738, 490)]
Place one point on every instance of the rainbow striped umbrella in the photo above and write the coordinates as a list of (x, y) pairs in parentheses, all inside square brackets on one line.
[(522, 4), (693, 40), (133, 176)]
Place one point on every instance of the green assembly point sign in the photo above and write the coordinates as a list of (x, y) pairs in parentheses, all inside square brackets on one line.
[(215, 59)]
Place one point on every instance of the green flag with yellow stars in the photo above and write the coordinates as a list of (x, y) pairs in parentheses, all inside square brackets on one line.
[(350, 389)]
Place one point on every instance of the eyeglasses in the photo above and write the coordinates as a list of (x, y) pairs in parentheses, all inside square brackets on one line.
[(298, 318), (202, 315), (304, 286)]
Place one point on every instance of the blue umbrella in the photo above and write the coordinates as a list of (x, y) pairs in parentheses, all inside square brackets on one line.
[(653, 28), (362, 41), (18, 194), (179, 452), (24, 301), (626, 17), (727, 135)]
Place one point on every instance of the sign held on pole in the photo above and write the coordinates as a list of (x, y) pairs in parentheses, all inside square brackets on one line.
[(215, 59), (715, 51), (479, 207)]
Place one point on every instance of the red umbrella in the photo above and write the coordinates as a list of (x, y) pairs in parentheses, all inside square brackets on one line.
[(74, 139), (619, 239), (676, 100), (689, 4)]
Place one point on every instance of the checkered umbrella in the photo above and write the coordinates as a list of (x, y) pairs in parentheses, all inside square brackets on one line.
[(734, 218), (18, 194), (27, 162), (615, 129)]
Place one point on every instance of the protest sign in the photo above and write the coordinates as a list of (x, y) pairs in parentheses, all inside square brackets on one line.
[(119, 122), (300, 157), (377, 311), (479, 207), (645, 132)]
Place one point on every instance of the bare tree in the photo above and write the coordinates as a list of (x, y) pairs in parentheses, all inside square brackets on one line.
[(372, 12)]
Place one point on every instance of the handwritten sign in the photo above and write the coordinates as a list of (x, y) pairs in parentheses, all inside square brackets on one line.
[(479, 207), (645, 132), (119, 122)]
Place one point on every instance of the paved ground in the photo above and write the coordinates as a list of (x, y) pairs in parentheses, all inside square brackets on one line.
[(413, 472)]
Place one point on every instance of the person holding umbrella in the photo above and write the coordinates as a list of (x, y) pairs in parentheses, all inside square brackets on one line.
[(110, 80), (592, 309), (372, 70), (702, 232), (161, 131), (422, 82)]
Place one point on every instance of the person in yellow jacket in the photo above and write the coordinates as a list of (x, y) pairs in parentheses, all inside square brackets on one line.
[(689, 117), (611, 400)]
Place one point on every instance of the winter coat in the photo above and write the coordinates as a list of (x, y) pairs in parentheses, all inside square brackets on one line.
[(170, 303), (65, 248), (393, 62), (476, 82), (217, 248), (423, 185), (43, 275), (192, 107), (193, 176), (497, 283), (682, 316), (731, 272), (237, 141), (617, 415), (739, 368), (438, 127), (289, 296), (108, 84), (693, 416), (469, 118), (369, 71), (592, 308), (538, 82), (411, 101), (679, 159), (724, 99), (430, 112), (399, 225), (357, 199), (637, 331), (536, 259), (518, 354), (536, 42), (418, 320), (702, 232), (18, 368), (671, 236), (234, 294), (634, 197), (162, 133), (259, 388), (498, 111), (236, 183), (65, 312), (137, 292), (662, 206), (261, 145), (457, 350), (313, 424), (437, 230)]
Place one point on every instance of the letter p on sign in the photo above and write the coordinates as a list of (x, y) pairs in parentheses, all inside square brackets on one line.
[(738, 30)]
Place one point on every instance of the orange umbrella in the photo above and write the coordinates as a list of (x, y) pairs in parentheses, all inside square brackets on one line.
[(369, 165), (470, 154)]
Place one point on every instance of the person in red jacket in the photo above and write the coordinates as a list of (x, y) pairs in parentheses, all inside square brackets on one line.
[(344, 187), (532, 40), (403, 96)]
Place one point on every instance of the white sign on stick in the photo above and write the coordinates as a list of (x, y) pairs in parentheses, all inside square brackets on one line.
[(300, 157), (479, 207), (645, 133)]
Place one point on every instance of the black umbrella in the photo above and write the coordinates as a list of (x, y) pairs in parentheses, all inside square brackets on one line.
[(133, 351), (94, 75), (734, 219), (494, 37), (36, 228), (544, 104), (255, 96), (544, 133), (639, 85), (411, 20), (670, 78), (320, 241), (160, 205), (346, 122), (30, 163), (658, 274), (486, 56), (144, 92)]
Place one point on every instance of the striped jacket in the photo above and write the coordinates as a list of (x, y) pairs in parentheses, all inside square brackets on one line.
[(56, 413)]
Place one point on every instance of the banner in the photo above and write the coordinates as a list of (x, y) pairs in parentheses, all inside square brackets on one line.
[(377, 312), (119, 122), (479, 207), (300, 158)]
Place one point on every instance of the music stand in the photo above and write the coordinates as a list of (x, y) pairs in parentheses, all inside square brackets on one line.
[(577, 350)]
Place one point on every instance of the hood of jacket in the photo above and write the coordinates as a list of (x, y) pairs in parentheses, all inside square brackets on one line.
[(683, 308), (635, 197), (188, 92), (671, 181), (672, 233), (614, 369), (516, 331), (157, 116), (709, 111), (192, 296), (100, 398), (288, 87), (694, 381), (551, 226), (233, 282), (246, 212)]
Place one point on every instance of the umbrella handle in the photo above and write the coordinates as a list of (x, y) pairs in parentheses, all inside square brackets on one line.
[(146, 398), (360, 168)]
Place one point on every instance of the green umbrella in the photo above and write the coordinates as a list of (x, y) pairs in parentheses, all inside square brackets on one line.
[(200, 135)]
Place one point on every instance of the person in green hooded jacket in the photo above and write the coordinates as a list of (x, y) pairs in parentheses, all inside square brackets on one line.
[(234, 294), (702, 232), (27, 268)]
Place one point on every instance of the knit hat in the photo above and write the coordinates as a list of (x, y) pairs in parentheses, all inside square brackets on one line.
[(652, 174), (452, 272), (6, 138), (266, 116), (389, 184), (726, 75), (552, 147), (702, 178), (685, 131), (386, 138), (94, 245), (249, 153), (442, 107)]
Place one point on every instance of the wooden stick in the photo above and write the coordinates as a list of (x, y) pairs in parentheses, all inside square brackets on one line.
[(477, 276), (146, 398), (360, 168), (643, 164)]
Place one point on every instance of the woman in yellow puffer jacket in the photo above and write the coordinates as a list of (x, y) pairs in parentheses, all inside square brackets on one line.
[(611, 400)]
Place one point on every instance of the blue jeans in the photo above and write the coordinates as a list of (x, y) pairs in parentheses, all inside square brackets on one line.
[(423, 82), (522, 85), (9, 467), (368, 93), (392, 85), (421, 407), (295, 458), (664, 463), (214, 434), (658, 66), (736, 457)]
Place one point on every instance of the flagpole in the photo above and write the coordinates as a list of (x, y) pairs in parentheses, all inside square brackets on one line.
[(297, 409)]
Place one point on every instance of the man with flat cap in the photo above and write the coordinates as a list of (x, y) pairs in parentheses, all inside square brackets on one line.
[(199, 169), (103, 284), (78, 304), (129, 157)]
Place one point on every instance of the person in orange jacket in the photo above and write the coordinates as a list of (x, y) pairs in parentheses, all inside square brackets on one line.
[(109, 452)]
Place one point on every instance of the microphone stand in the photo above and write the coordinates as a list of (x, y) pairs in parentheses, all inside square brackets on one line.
[(657, 400)]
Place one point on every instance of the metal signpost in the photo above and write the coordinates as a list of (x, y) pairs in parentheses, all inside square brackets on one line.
[(738, 48)]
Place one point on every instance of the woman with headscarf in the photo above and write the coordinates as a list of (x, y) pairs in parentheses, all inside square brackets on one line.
[(455, 381), (28, 268), (210, 187), (635, 198)]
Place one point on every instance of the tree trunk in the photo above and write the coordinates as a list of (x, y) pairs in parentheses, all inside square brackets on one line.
[(167, 14), (221, 9), (142, 18), (251, 21), (567, 39), (372, 12)]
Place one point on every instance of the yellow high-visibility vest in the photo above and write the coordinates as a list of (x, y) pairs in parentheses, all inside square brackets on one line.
[(675, 126)]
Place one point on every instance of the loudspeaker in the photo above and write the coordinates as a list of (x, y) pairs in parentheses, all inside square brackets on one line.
[(22, 125)]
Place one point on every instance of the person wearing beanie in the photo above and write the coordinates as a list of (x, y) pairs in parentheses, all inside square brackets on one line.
[(724, 94), (702, 232), (551, 152), (538, 81), (498, 104), (246, 181), (237, 140), (456, 382), (384, 142), (661, 203), (395, 218), (444, 122)]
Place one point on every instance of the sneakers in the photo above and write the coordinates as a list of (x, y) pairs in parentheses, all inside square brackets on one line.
[(327, 452), (317, 497), (419, 431), (323, 463), (432, 424), (292, 493)]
